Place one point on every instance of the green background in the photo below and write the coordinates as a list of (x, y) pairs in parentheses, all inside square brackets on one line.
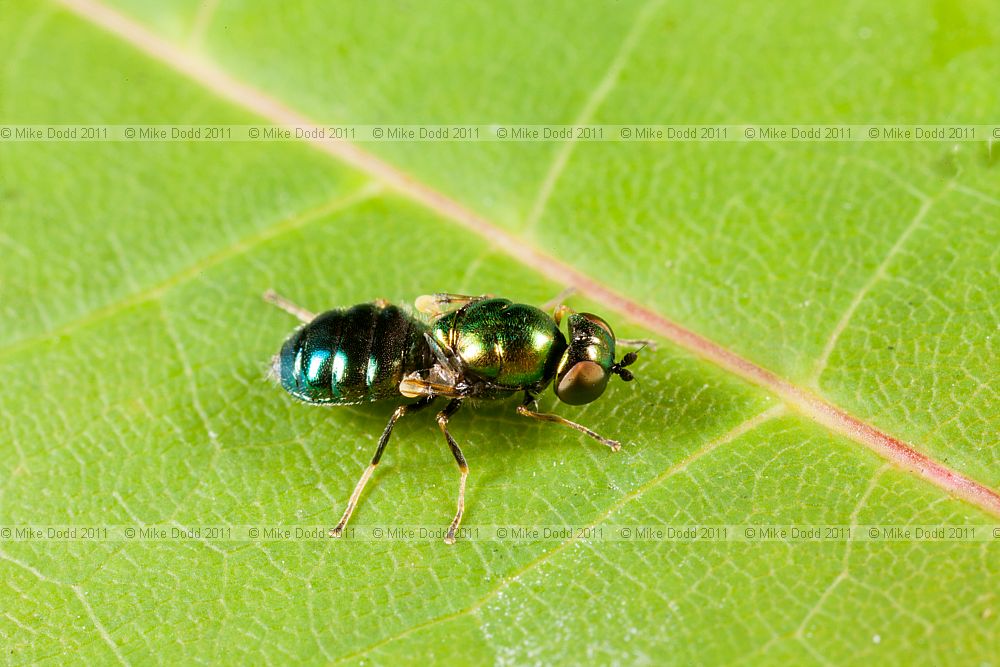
[(133, 341)]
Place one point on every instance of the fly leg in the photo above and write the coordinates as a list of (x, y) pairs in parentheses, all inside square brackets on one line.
[(420, 383), (528, 409), (286, 305), (556, 302), (463, 467), (360, 486), (636, 342)]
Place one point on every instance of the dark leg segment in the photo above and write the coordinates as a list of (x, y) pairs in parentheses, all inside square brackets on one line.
[(528, 409), (360, 486), (463, 467)]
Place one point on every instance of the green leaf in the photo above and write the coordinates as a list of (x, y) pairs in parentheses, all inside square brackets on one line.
[(134, 342)]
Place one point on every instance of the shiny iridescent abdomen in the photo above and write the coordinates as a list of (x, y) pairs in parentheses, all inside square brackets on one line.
[(354, 355)]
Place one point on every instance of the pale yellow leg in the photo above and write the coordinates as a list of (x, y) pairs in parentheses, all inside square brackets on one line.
[(556, 302), (636, 342), (338, 530), (524, 410), (463, 467), (286, 305)]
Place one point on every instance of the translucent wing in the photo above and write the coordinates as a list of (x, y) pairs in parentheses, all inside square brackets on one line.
[(436, 305)]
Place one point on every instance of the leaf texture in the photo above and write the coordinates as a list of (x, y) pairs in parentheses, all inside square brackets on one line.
[(134, 341)]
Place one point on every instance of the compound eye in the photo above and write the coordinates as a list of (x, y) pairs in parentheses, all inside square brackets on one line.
[(582, 383)]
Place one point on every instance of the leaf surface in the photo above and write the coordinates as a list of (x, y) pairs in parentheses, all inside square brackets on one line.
[(134, 342)]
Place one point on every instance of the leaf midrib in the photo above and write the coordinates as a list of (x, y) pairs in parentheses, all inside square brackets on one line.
[(219, 82)]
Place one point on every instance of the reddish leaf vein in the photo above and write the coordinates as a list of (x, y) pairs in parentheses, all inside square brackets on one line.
[(809, 404)]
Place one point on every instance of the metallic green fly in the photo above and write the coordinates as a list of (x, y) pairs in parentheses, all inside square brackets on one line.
[(458, 348)]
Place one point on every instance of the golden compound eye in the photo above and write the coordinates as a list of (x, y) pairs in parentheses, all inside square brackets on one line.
[(582, 383)]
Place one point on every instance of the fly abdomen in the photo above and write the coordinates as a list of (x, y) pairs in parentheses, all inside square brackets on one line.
[(352, 356)]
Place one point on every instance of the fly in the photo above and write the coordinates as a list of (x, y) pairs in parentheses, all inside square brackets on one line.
[(460, 347)]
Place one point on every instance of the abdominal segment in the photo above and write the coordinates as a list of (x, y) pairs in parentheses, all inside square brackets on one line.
[(353, 355)]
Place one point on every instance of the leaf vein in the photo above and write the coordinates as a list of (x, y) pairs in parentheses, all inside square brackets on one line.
[(590, 107), (192, 271), (811, 405), (876, 277), (101, 630), (737, 431)]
